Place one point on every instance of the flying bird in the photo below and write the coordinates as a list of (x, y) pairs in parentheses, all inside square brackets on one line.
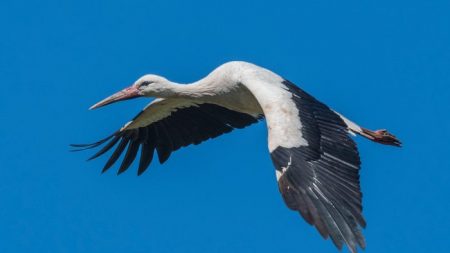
[(316, 162)]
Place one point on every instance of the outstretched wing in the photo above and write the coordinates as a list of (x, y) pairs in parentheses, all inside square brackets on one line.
[(320, 179), (166, 125)]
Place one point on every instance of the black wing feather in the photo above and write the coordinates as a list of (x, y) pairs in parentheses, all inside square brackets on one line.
[(183, 127), (164, 144), (146, 157), (123, 143), (106, 147), (321, 180), (132, 150)]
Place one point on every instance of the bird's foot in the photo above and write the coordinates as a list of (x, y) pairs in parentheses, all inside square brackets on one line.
[(381, 136)]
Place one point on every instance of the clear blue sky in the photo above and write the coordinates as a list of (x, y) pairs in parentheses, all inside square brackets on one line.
[(384, 64)]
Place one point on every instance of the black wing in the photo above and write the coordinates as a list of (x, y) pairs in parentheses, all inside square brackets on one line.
[(321, 180), (165, 126)]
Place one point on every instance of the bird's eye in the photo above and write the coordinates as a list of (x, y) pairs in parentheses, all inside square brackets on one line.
[(146, 83)]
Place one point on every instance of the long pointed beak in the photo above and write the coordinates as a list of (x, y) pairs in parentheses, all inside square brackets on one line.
[(125, 94)]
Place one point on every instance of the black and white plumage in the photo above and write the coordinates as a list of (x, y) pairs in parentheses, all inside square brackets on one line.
[(316, 162)]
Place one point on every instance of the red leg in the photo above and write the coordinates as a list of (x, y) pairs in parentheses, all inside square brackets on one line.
[(381, 136)]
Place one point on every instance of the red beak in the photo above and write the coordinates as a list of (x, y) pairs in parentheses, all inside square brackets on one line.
[(125, 94)]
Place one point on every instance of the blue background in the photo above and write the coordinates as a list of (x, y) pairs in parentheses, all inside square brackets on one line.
[(384, 64)]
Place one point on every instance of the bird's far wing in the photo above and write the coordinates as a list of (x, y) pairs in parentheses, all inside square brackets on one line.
[(320, 180), (166, 125)]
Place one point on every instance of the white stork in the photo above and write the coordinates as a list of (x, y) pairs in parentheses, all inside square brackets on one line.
[(316, 162)]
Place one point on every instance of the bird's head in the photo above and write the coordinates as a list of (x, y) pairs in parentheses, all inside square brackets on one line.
[(152, 85), (146, 86)]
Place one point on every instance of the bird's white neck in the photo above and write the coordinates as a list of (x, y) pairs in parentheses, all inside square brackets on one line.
[(201, 88), (169, 89), (220, 81)]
